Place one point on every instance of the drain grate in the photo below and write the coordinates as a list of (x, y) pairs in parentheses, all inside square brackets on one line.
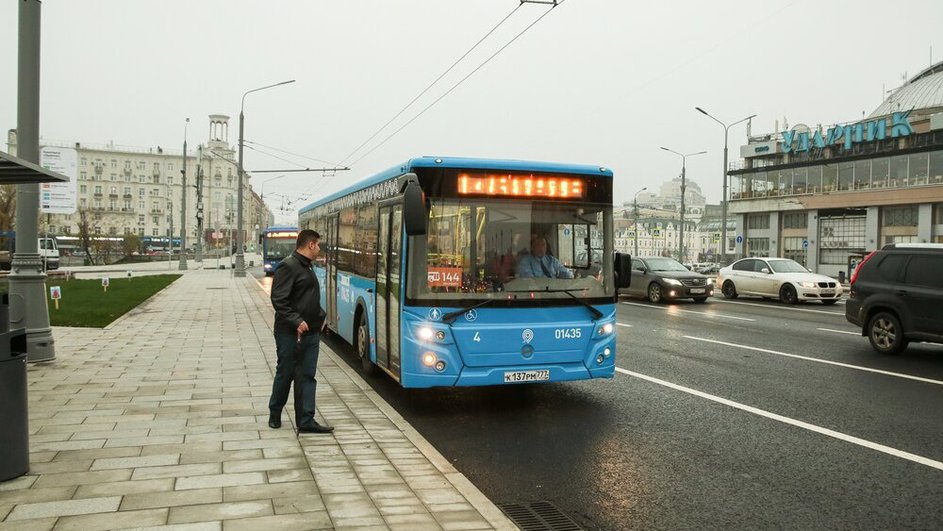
[(538, 516)]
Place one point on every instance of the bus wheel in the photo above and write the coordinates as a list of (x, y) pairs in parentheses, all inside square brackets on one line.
[(363, 346)]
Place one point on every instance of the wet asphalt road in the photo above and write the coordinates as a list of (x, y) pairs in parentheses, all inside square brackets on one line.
[(825, 445)]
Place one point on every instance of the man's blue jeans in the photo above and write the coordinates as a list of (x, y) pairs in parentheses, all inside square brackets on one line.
[(297, 362)]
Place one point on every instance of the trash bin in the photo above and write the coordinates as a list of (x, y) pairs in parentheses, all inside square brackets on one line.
[(14, 421), (841, 277)]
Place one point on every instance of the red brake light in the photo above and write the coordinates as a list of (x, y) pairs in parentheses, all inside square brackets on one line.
[(854, 274)]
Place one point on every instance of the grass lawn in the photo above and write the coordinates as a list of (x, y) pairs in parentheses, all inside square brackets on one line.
[(85, 303)]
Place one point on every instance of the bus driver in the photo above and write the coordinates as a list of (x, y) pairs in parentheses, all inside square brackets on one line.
[(539, 264)]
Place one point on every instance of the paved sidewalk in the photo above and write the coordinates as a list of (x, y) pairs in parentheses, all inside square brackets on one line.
[(159, 421)]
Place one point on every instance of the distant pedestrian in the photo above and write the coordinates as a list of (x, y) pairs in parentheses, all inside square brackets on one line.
[(299, 320)]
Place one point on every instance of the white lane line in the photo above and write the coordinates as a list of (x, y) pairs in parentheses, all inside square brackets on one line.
[(793, 422), (816, 360), (840, 331), (676, 309), (724, 301), (623, 324)]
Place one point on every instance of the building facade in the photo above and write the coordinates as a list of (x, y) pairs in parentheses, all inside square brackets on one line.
[(137, 191), (827, 196)]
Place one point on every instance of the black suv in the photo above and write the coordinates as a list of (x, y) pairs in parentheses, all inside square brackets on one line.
[(897, 296)]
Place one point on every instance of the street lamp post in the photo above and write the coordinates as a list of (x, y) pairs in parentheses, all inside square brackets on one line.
[(635, 207), (683, 183), (240, 255), (183, 203), (723, 200)]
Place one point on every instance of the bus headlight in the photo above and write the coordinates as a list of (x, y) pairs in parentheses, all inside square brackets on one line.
[(606, 329), (425, 333), (429, 359)]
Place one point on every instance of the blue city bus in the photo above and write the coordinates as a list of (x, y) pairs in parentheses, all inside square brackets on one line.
[(277, 243), (419, 271)]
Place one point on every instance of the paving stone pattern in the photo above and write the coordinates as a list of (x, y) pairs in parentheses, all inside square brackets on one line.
[(159, 422)]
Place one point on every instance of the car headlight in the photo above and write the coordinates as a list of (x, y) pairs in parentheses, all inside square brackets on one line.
[(807, 284), (673, 281)]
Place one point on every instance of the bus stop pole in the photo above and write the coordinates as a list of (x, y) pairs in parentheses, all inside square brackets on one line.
[(28, 306)]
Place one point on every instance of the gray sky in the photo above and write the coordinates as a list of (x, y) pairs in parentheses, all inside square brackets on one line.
[(595, 81)]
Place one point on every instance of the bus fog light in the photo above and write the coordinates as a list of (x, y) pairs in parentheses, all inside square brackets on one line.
[(428, 359), (607, 352), (424, 333), (440, 335), (440, 365), (600, 358)]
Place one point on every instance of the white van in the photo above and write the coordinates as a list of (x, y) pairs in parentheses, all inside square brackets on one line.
[(47, 248), (49, 252)]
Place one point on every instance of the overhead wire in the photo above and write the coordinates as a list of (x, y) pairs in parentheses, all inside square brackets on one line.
[(455, 86), (430, 85), (292, 154)]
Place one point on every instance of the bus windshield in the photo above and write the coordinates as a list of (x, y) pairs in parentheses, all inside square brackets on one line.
[(484, 248), (278, 248)]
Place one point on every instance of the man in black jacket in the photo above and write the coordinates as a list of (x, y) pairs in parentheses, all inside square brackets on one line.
[(299, 319)]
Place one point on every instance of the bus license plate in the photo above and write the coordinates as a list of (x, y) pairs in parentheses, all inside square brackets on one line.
[(526, 376), (697, 290)]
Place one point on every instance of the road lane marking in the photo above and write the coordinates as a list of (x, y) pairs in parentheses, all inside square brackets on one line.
[(817, 360), (840, 331), (625, 325), (676, 309), (793, 422), (779, 307)]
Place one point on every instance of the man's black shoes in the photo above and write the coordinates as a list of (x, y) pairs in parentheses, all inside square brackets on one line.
[(315, 428), (274, 421)]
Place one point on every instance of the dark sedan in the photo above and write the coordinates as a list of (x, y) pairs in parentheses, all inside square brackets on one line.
[(660, 279)]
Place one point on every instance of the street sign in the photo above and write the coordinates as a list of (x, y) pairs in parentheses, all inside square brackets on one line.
[(58, 198), (55, 292), (805, 244), (739, 238)]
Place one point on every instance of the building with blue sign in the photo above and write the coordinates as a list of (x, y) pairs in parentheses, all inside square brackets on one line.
[(825, 196)]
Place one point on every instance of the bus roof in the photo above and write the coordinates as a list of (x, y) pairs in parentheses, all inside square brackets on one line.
[(279, 228), (461, 162)]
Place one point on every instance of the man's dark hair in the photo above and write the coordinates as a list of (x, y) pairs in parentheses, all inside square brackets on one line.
[(305, 237)]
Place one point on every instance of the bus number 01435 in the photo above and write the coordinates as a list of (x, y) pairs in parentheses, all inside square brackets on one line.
[(567, 333)]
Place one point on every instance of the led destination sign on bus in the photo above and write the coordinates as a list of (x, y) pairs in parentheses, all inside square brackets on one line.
[(283, 234), (522, 186)]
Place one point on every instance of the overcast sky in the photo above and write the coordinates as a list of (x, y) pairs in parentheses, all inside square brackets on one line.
[(602, 82)]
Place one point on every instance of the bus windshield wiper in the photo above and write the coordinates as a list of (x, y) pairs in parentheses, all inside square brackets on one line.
[(450, 317), (596, 313)]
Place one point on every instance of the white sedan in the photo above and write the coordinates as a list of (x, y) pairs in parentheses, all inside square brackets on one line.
[(777, 278)]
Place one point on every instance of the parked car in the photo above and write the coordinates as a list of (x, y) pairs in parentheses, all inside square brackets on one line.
[(777, 278), (659, 279), (896, 296)]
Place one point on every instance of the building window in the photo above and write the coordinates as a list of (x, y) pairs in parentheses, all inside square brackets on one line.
[(84, 161), (140, 219), (936, 167), (904, 216), (98, 190), (841, 236), (157, 179), (938, 214), (83, 176), (83, 189), (140, 192), (170, 166), (114, 164), (142, 165), (155, 232), (114, 176), (758, 221), (142, 179), (127, 164), (757, 246), (795, 220)]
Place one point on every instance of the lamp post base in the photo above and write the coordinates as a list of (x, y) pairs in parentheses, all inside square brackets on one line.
[(240, 269)]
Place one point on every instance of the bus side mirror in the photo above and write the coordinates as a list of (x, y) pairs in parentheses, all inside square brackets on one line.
[(414, 209), (623, 265)]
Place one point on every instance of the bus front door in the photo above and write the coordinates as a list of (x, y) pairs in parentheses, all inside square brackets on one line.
[(331, 272), (388, 289)]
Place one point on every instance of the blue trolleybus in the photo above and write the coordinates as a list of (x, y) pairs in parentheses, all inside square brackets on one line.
[(277, 243), (427, 270)]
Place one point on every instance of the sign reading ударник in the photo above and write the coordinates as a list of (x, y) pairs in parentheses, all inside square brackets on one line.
[(848, 135)]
